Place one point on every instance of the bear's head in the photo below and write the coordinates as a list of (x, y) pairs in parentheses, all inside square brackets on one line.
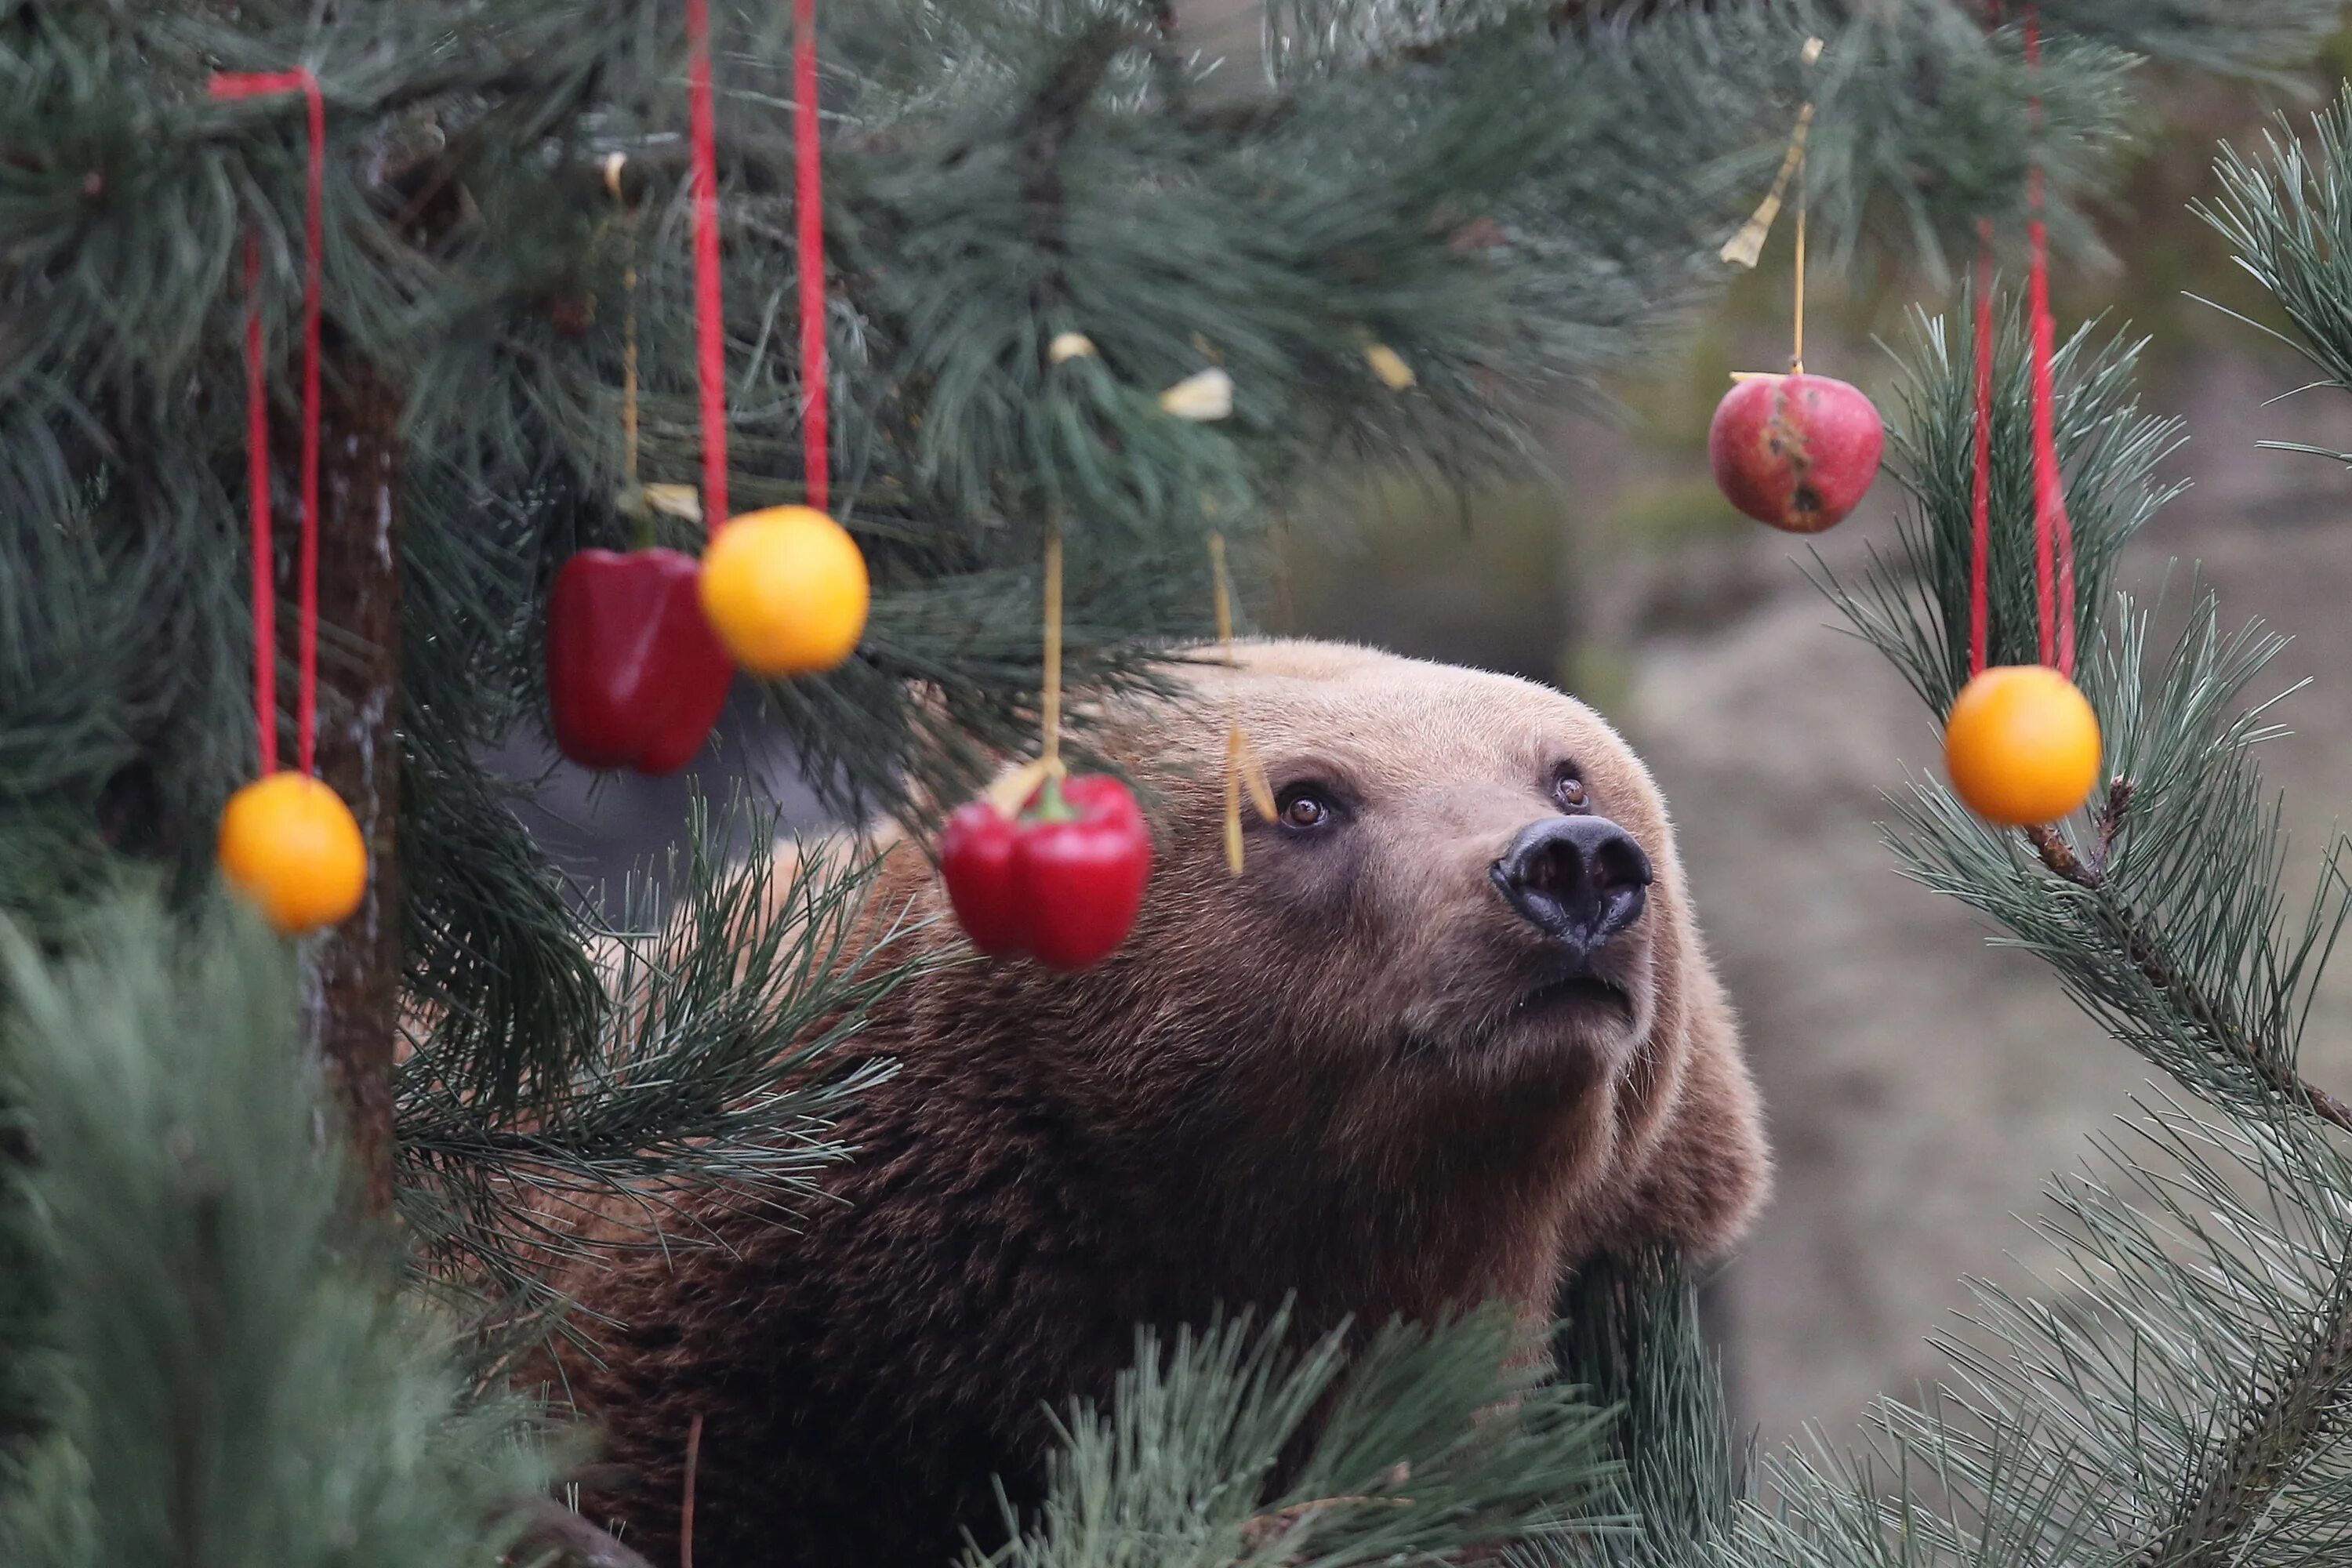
[(1469, 879), (1457, 977)]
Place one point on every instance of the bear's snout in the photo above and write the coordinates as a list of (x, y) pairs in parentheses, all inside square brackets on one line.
[(1580, 880)]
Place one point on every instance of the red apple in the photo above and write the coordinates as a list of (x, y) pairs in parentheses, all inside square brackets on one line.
[(1796, 451)]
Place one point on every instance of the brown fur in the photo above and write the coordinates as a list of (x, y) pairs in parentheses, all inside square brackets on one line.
[(1310, 1079)]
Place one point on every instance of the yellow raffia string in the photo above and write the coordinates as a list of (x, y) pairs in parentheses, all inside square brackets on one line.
[(1253, 780), (638, 500), (1242, 770), (1011, 793), (1233, 725), (1797, 356), (629, 376), (1747, 247), (1390, 366), (1052, 716)]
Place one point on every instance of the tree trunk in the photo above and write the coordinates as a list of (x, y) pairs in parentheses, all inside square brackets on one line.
[(359, 753)]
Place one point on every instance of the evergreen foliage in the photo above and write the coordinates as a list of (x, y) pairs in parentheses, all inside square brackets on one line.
[(2181, 1399), (204, 1358), (1631, 1339), (1197, 1460), (725, 1000), (235, 1384)]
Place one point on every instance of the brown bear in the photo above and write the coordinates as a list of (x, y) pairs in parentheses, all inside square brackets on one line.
[(1449, 1032)]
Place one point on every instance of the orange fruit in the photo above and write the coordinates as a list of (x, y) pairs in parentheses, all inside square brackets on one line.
[(785, 590), (2023, 745), (289, 845)]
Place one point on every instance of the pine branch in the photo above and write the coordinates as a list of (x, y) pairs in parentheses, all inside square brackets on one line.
[(1044, 130), (2307, 1406), (2188, 1403), (1631, 1339), (2169, 933), (1428, 1444), (723, 1056), (2182, 1401), (552, 1527), (240, 1382), (2145, 950)]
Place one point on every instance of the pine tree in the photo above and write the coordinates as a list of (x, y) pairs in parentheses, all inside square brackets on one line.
[(2183, 1400), (225, 1339)]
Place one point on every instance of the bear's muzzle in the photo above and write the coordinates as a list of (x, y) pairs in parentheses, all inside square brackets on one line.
[(1580, 880)]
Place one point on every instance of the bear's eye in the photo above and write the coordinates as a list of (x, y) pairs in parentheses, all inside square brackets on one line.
[(1570, 791), (1302, 807)]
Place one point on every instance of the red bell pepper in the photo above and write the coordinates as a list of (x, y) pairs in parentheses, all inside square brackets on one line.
[(977, 852), (1062, 882), (636, 677)]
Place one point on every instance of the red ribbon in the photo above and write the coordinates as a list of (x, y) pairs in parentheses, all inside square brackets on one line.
[(809, 204), (2054, 531), (256, 481), (1981, 558), (710, 320), (230, 86)]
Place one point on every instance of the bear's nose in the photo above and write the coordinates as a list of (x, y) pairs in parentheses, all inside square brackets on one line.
[(1578, 879)]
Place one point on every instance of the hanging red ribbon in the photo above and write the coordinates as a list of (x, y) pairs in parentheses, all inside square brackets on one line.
[(711, 326), (1980, 520), (2054, 534), (710, 320), (808, 202), (1980, 556), (229, 86), (257, 482)]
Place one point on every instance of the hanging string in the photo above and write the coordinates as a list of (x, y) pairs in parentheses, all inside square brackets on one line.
[(1980, 510), (808, 202), (229, 86), (635, 500), (629, 369), (1804, 193), (1051, 718), (1981, 518), (710, 320), (256, 481), (2053, 539), (1747, 247), (1234, 742), (613, 164), (1010, 793), (2054, 533), (1242, 771)]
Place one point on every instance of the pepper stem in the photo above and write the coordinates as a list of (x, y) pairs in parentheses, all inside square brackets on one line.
[(1052, 804)]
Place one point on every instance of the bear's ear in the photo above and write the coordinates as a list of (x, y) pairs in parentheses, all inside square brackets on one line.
[(1710, 1170)]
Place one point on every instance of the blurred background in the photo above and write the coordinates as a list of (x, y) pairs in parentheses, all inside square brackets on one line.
[(1920, 1082)]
